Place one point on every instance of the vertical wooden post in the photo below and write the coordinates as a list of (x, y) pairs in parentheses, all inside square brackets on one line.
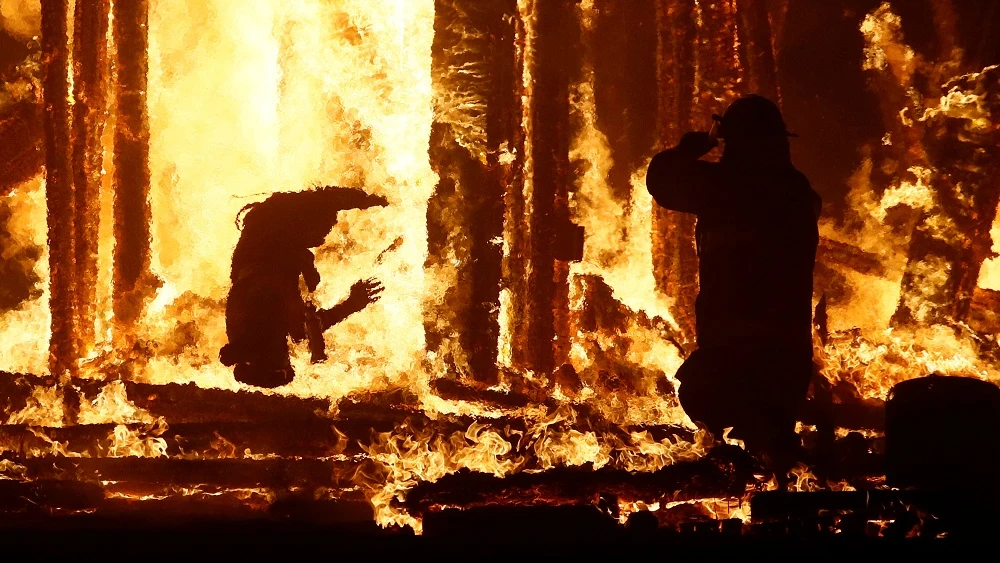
[(477, 74), (59, 185), (504, 138), (131, 159), (91, 70), (516, 236), (546, 309)]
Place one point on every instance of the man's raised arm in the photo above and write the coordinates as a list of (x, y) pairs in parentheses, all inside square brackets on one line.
[(677, 180)]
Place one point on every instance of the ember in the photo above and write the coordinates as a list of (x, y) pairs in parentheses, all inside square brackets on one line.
[(527, 305)]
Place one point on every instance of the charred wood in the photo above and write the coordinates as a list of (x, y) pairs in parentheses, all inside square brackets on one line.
[(602, 312), (625, 98), (15, 390), (220, 440), (845, 255), (166, 507), (834, 260), (59, 185), (755, 48), (477, 72), (716, 475), (857, 414), (91, 70), (450, 389), (229, 473), (131, 162), (542, 340)]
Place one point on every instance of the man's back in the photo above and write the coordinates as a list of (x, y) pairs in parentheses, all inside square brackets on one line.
[(757, 239)]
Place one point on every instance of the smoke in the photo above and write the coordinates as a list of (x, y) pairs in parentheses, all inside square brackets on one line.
[(21, 18)]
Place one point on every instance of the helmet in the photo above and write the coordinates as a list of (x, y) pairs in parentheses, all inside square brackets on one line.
[(751, 116)]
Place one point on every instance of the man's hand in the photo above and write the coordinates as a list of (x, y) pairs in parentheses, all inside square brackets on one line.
[(698, 143), (364, 293)]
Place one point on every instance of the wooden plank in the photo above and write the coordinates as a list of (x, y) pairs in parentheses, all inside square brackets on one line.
[(48, 494)]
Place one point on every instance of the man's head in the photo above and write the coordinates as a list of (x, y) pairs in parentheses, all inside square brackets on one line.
[(303, 219), (751, 117), (754, 133)]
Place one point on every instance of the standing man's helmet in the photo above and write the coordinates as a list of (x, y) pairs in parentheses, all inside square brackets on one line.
[(751, 116)]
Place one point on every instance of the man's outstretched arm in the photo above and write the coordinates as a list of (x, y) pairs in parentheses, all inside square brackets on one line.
[(363, 293), (677, 180)]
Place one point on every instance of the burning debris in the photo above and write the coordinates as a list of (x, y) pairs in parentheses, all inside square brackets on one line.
[(520, 346)]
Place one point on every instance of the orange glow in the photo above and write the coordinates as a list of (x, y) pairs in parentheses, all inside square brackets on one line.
[(291, 95)]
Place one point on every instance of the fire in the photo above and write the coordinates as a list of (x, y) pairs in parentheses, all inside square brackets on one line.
[(290, 95), (26, 327), (343, 103)]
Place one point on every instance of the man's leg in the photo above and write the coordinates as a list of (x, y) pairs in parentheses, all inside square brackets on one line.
[(780, 383), (705, 392)]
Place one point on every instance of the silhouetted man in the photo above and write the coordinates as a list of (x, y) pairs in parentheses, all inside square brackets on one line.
[(265, 305), (756, 238)]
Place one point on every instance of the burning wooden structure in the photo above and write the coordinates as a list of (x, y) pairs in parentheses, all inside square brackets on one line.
[(537, 303)]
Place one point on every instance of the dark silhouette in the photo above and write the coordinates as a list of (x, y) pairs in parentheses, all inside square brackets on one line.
[(756, 238), (265, 304)]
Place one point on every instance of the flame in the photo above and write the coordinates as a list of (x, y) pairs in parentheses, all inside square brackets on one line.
[(128, 442), (25, 329), (231, 121), (243, 103), (112, 405), (44, 408)]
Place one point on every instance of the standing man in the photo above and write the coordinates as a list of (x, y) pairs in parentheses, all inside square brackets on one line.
[(756, 238)]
